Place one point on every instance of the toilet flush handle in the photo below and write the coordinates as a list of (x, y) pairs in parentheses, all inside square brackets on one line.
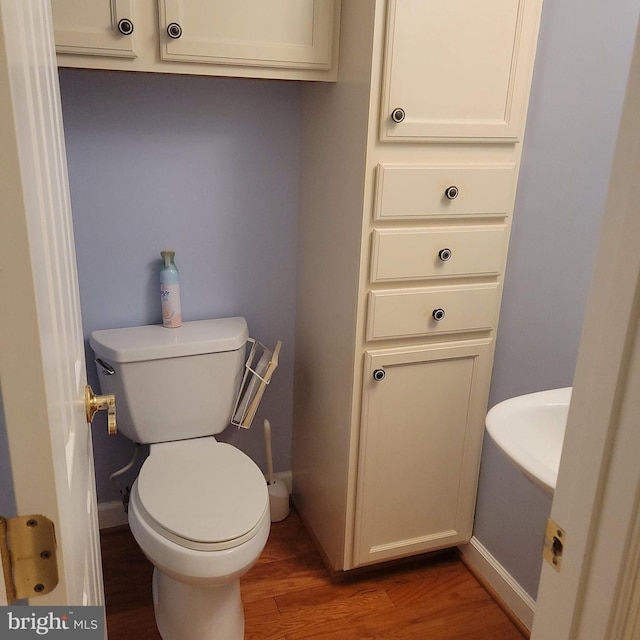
[(94, 403), (105, 367)]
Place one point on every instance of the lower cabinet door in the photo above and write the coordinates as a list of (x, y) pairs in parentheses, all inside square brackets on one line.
[(421, 439)]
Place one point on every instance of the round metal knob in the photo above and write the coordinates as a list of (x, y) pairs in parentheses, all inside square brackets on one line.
[(125, 27), (451, 192), (379, 374), (444, 254), (438, 314), (174, 30), (398, 115)]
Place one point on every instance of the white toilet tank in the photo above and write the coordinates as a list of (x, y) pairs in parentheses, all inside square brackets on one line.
[(172, 384)]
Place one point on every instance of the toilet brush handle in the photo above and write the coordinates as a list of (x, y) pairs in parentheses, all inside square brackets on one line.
[(267, 443)]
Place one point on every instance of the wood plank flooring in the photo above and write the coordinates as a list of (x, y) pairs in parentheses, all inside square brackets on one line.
[(288, 595)]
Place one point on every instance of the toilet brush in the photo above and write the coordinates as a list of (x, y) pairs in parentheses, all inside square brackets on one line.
[(278, 492)]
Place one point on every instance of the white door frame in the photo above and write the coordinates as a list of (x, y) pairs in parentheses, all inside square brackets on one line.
[(596, 594)]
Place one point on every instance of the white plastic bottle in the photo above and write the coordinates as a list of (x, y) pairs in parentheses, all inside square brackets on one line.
[(170, 291)]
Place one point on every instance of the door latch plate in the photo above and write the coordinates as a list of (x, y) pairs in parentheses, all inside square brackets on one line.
[(554, 542)]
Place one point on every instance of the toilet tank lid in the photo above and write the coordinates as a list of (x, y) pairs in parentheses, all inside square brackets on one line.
[(154, 342)]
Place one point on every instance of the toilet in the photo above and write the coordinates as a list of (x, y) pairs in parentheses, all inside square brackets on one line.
[(199, 508)]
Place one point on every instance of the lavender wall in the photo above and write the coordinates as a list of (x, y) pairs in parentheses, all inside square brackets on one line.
[(578, 87), (209, 168), (7, 497)]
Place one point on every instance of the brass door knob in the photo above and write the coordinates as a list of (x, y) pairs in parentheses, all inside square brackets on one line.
[(93, 403)]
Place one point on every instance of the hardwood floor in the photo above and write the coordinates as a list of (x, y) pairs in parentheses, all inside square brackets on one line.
[(288, 595)]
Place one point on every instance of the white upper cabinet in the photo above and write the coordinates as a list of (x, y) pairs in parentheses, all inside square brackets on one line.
[(278, 33), (457, 71), (280, 39), (96, 28)]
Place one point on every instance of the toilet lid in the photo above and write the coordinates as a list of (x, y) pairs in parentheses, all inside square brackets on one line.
[(203, 491)]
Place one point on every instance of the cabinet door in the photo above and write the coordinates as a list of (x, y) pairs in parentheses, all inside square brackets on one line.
[(94, 27), (421, 438), (268, 33), (458, 70)]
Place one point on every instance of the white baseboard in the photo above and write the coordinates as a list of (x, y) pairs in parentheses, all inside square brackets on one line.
[(111, 514), (478, 558)]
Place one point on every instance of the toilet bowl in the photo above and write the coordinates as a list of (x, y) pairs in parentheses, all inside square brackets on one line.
[(199, 508), (196, 582)]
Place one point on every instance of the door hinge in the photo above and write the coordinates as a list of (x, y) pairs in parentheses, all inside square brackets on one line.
[(28, 550), (554, 542)]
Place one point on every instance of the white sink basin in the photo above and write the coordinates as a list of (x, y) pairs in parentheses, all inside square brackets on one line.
[(529, 431)]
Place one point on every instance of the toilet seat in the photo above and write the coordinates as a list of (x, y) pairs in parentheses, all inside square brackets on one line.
[(202, 494)]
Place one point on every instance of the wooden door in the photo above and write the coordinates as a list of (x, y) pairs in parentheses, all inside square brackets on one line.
[(596, 593), (42, 365)]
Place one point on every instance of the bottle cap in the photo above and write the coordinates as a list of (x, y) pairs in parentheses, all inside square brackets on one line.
[(167, 256)]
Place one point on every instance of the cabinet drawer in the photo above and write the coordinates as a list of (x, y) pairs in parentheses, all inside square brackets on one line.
[(424, 191), (406, 254), (413, 312)]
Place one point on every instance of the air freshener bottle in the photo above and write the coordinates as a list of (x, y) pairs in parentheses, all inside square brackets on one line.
[(170, 291)]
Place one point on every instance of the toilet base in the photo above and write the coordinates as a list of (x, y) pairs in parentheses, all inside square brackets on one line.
[(188, 612)]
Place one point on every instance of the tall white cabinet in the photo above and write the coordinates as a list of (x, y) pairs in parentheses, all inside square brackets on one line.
[(409, 170)]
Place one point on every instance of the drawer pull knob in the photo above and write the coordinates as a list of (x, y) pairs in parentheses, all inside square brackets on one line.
[(379, 374), (438, 314), (125, 27), (444, 254), (451, 192), (174, 30), (398, 115)]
